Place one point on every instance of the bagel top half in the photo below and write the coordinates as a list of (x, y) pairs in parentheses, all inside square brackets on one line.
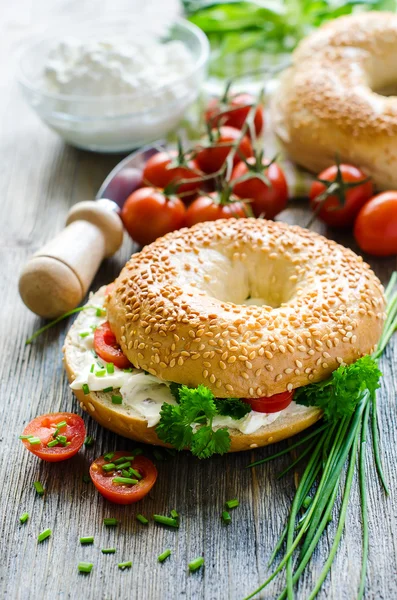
[(247, 307)]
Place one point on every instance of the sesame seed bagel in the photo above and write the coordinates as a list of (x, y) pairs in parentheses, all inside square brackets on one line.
[(247, 307), (330, 101)]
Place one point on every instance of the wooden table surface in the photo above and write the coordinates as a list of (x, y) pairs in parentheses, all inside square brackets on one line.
[(40, 178)]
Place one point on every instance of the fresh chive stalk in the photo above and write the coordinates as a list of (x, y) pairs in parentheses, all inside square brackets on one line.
[(44, 535), (169, 521), (124, 465), (335, 448), (86, 389), (39, 488), (56, 321), (196, 563), (108, 389), (110, 522), (116, 399), (108, 550), (87, 540), (232, 503), (24, 517), (174, 514), (109, 467), (125, 480), (35, 441), (142, 519), (85, 567), (226, 517), (25, 437), (53, 443), (109, 455), (110, 368), (100, 373), (125, 565), (89, 441), (161, 558)]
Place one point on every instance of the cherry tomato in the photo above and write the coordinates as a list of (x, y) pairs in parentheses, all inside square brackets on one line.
[(148, 214), (118, 492), (267, 200), (233, 112), (158, 174), (106, 346), (332, 211), (375, 229), (211, 159), (270, 404), (45, 428), (208, 208)]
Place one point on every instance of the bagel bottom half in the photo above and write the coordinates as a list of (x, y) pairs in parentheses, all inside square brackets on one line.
[(118, 419)]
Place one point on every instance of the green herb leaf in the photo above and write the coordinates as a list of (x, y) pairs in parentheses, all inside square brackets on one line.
[(232, 407), (174, 389), (207, 442)]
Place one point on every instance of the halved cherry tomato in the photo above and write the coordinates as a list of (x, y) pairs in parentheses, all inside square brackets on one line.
[(159, 173), (118, 492), (106, 346), (340, 210), (270, 404), (233, 112), (375, 228), (267, 200), (210, 159), (209, 208), (45, 428), (149, 214)]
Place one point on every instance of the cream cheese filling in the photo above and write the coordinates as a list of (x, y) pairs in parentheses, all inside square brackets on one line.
[(142, 394)]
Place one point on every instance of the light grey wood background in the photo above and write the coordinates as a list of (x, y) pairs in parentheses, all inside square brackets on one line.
[(40, 178)]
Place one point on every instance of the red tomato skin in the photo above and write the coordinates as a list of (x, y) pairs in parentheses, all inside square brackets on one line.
[(156, 174), (147, 215), (266, 201), (375, 228), (215, 114), (211, 159), (106, 346), (205, 209), (43, 427), (271, 404), (331, 212), (123, 494)]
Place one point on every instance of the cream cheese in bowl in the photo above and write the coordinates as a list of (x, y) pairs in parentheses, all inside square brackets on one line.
[(114, 88)]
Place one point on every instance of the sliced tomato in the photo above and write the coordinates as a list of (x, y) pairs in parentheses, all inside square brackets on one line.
[(106, 346), (45, 429), (121, 493), (270, 404)]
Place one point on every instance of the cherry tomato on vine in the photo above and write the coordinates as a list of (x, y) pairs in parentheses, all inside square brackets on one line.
[(270, 404), (149, 214), (159, 172), (233, 111), (55, 436), (267, 200), (107, 480), (375, 228), (348, 190), (210, 159), (106, 346), (211, 208)]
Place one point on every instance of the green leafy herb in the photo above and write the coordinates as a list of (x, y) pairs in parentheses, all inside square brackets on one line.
[(174, 389), (197, 406), (232, 407)]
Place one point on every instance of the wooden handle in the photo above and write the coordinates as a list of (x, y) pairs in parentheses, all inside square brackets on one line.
[(58, 276)]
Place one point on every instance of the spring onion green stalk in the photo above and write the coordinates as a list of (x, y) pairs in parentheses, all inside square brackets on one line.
[(110, 522), (110, 368), (108, 550), (56, 321), (87, 540), (232, 503), (109, 467), (125, 480), (108, 389), (195, 564), (164, 555), (125, 565), (85, 567), (124, 465), (136, 474), (24, 517), (89, 441), (226, 517), (86, 389), (338, 450), (44, 535), (174, 514), (35, 441), (117, 399), (169, 521), (39, 488), (142, 519), (109, 456)]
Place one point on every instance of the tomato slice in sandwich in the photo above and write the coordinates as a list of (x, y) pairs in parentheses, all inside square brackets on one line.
[(106, 346), (271, 404)]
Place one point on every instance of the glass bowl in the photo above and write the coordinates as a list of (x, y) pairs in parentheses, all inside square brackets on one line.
[(113, 123)]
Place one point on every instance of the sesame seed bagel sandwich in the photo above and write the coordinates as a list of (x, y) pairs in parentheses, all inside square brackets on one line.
[(205, 336)]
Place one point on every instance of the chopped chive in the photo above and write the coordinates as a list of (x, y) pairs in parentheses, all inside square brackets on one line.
[(61, 424), (306, 502), (24, 517), (110, 522), (232, 503), (39, 488), (53, 443), (117, 399), (122, 459), (87, 540), (94, 354), (125, 565), (85, 388), (129, 370), (62, 439), (85, 567), (125, 473), (35, 441), (44, 535), (226, 517), (166, 521), (93, 327), (84, 334), (109, 467), (124, 465), (196, 564), (135, 473), (110, 368), (108, 550), (89, 441), (92, 368), (142, 519), (108, 389), (101, 373), (108, 455), (174, 514), (100, 312), (164, 555), (25, 437), (86, 478), (125, 480)]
